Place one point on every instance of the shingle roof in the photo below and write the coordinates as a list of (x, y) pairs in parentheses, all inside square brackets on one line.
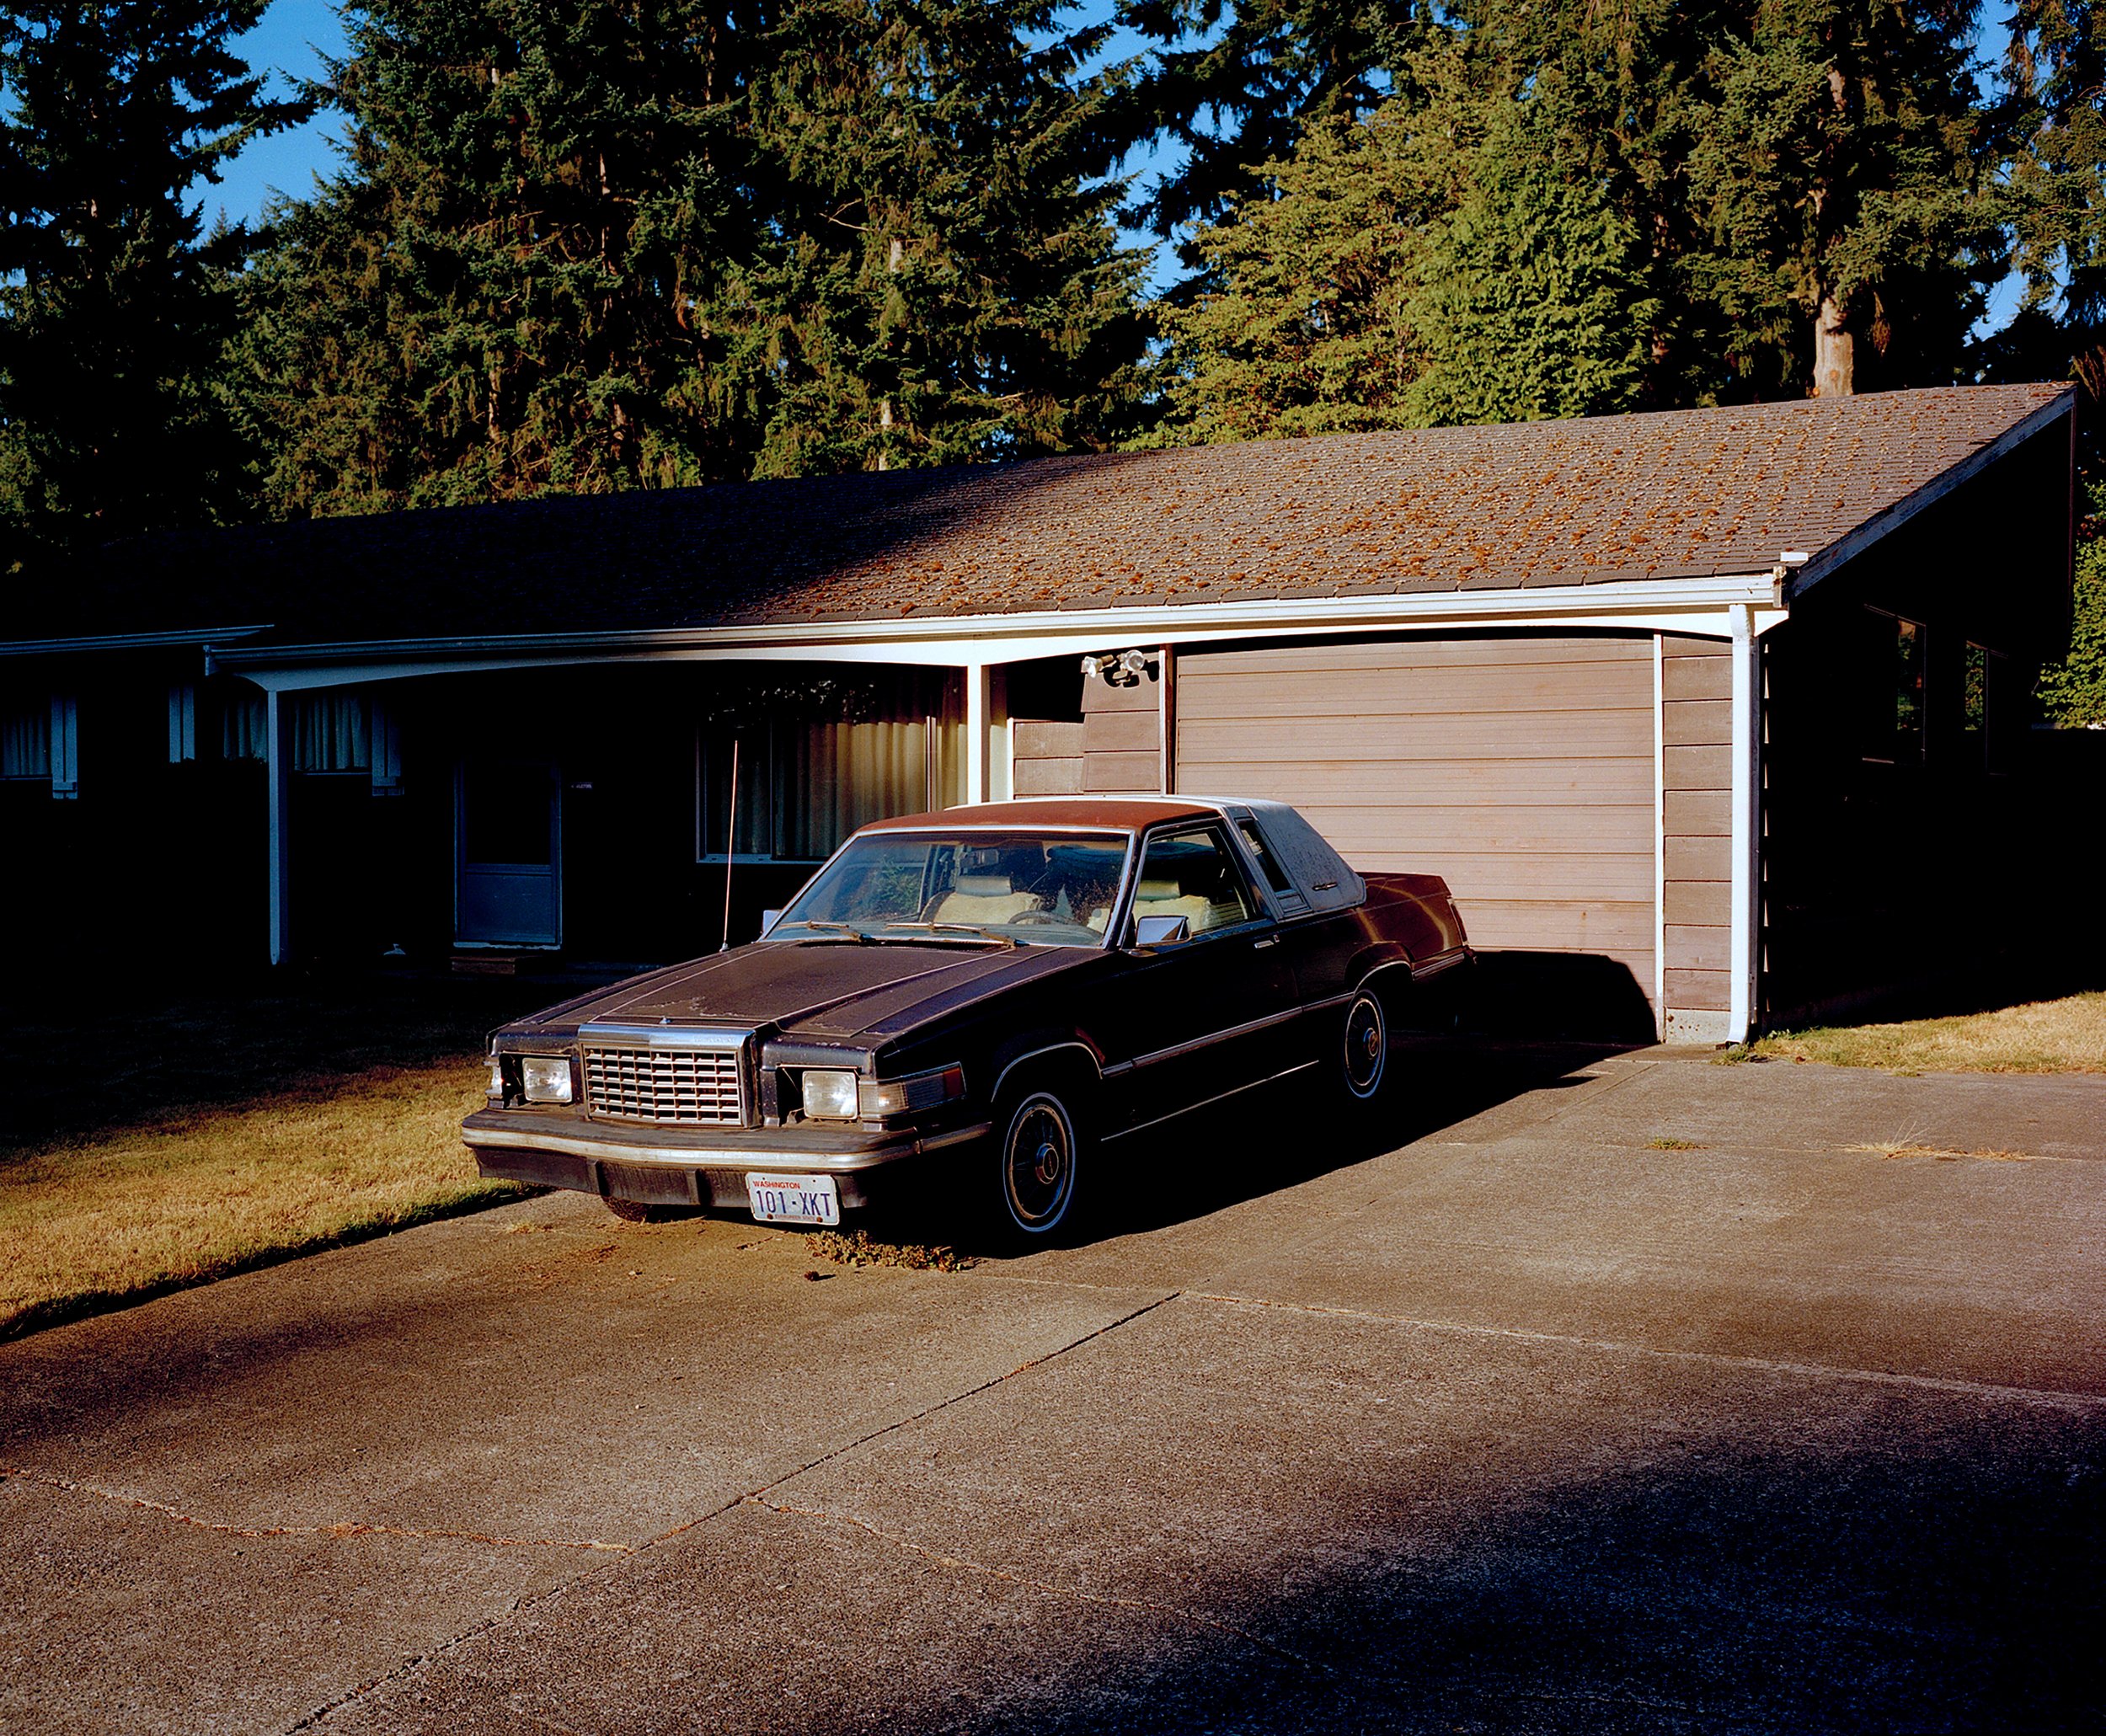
[(1659, 496)]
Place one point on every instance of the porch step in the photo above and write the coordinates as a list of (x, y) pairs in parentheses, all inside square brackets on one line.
[(488, 963)]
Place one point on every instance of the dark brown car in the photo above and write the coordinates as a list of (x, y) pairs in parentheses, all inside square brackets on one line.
[(1025, 985)]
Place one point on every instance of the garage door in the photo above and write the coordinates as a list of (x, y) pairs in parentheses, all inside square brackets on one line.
[(1520, 769)]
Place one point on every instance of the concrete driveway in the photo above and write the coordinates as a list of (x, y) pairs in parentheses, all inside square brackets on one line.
[(1530, 1424)]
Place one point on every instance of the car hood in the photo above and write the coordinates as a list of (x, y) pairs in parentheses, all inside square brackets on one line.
[(824, 990)]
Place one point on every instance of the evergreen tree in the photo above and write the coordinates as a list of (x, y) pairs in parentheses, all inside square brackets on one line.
[(1533, 298), (648, 245), (1306, 332), (1234, 84), (1839, 171), (506, 290), (115, 306), (2054, 116), (937, 281), (1459, 256)]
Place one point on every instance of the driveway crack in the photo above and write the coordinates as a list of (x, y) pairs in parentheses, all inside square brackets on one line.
[(343, 1529), (351, 1696), (959, 1564)]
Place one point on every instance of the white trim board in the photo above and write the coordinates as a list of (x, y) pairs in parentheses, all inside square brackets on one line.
[(1700, 608)]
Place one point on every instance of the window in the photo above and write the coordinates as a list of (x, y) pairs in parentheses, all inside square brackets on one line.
[(182, 724), (1193, 874), (39, 739), (1893, 721), (330, 733), (242, 723), (1990, 709), (1285, 891), (804, 784), (25, 739)]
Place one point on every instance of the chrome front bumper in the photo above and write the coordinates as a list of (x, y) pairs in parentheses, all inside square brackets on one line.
[(687, 1165)]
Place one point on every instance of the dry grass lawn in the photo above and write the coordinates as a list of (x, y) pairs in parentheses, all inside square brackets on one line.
[(2063, 1036), (185, 1142)]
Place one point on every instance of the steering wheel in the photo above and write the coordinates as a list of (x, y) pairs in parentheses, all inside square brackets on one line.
[(1038, 918)]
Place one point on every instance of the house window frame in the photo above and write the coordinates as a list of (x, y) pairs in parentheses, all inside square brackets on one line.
[(704, 856), (932, 724), (1891, 694), (1991, 757)]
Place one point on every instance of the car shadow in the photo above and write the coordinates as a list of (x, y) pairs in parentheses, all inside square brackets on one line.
[(1257, 1142)]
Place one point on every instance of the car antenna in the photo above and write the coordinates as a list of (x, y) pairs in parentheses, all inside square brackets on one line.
[(730, 843)]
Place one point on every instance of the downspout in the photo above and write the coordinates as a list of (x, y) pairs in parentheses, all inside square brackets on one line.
[(278, 775), (1745, 960)]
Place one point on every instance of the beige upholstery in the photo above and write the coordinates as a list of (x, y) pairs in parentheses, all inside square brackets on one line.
[(1161, 898), (983, 912)]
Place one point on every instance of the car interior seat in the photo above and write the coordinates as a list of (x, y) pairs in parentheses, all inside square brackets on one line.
[(983, 900)]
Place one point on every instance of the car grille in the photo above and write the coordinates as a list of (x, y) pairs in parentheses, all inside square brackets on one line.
[(696, 1085)]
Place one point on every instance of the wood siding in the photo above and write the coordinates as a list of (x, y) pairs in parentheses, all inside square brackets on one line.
[(1697, 822), (1047, 757), (1122, 737), (1520, 769)]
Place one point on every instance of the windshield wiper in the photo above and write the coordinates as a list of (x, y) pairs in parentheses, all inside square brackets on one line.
[(842, 930), (935, 930)]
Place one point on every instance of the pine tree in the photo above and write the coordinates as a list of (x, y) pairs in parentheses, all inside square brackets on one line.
[(1233, 85), (503, 291), (1532, 298), (657, 244), (1459, 256), (937, 282), (1305, 333), (1839, 173), (114, 304), (2053, 113)]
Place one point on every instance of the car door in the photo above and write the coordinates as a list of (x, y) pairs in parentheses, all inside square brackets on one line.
[(1197, 1019)]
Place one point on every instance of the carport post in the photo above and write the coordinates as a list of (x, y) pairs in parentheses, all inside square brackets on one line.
[(1747, 822), (278, 773), (978, 719)]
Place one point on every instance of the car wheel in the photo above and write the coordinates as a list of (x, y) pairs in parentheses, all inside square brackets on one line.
[(1364, 1053), (1036, 1160)]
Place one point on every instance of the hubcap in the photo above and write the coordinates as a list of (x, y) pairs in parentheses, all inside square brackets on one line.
[(1039, 1166), (1365, 1047)]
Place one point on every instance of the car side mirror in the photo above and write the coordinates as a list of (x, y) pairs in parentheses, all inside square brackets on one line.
[(769, 919), (1160, 931)]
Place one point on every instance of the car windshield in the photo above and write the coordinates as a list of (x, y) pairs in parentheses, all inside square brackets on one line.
[(1043, 888)]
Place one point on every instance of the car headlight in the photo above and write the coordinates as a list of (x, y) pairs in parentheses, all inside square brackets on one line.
[(829, 1096), (545, 1078)]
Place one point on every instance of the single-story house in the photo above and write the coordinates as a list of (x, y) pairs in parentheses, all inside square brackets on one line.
[(1712, 716)]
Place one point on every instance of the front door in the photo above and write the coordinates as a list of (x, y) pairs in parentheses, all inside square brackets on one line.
[(507, 827)]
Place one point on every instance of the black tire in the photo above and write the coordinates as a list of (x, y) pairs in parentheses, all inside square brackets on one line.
[(1365, 1066), (1041, 1139)]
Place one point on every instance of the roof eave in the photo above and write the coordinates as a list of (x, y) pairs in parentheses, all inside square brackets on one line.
[(175, 639), (1846, 549), (1362, 610)]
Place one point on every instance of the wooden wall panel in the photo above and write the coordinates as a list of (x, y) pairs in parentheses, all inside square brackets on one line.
[(1520, 769), (1046, 757), (1122, 737), (1697, 760)]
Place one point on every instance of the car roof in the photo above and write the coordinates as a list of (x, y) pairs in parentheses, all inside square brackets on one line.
[(1110, 813)]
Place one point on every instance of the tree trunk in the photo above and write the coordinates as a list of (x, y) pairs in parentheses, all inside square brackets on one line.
[(1835, 360)]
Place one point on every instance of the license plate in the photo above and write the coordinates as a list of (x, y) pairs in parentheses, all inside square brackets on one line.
[(793, 1198)]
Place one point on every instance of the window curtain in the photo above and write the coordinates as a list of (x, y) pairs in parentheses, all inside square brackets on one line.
[(25, 740), (806, 784), (330, 733)]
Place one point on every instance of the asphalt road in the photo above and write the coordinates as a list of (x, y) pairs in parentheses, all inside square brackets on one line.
[(1528, 1424)]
